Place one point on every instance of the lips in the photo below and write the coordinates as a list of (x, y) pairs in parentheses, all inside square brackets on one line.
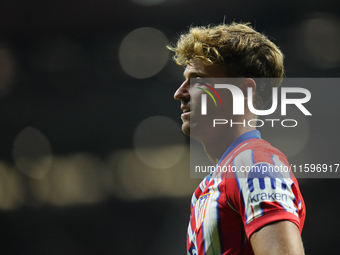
[(186, 113)]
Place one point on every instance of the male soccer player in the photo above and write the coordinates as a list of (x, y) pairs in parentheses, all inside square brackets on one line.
[(237, 212)]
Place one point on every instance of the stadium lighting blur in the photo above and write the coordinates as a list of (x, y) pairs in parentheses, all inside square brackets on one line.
[(136, 180), (318, 40), (32, 153), (8, 70), (142, 52), (74, 179), (159, 142), (82, 178), (11, 187)]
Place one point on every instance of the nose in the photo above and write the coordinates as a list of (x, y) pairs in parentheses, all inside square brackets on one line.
[(183, 93)]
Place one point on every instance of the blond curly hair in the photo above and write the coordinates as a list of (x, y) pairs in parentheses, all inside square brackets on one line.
[(242, 51)]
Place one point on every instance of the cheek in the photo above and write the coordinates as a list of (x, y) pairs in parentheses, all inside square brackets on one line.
[(195, 97)]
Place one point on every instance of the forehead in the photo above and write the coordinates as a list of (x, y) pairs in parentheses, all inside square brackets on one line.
[(197, 68)]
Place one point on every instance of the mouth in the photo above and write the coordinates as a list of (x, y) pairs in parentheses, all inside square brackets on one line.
[(186, 113)]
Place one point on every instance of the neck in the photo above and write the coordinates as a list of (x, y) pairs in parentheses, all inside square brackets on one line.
[(220, 142)]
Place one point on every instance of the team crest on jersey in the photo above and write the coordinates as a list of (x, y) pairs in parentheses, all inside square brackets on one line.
[(192, 251), (200, 209)]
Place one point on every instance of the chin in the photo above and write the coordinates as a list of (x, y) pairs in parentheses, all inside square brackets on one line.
[(186, 128)]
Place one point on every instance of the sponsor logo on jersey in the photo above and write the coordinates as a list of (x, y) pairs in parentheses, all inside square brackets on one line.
[(268, 196), (273, 191)]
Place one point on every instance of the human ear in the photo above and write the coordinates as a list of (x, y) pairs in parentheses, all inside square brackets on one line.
[(245, 84)]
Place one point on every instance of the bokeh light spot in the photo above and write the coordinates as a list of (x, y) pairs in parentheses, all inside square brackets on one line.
[(318, 40), (142, 53), (158, 142), (32, 153)]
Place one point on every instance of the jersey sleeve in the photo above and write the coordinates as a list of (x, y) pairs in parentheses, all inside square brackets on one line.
[(264, 191)]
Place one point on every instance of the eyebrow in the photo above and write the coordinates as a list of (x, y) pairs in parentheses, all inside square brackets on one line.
[(195, 74)]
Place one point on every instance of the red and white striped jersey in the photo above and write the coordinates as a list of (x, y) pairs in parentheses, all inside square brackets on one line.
[(229, 206)]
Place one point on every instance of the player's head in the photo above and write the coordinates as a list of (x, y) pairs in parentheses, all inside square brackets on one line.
[(236, 48)]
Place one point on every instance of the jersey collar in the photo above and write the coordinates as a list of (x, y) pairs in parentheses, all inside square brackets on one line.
[(246, 136)]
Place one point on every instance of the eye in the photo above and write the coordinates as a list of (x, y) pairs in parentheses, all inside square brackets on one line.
[(198, 80)]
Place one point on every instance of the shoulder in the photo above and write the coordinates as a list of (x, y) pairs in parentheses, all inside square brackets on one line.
[(258, 160), (257, 152)]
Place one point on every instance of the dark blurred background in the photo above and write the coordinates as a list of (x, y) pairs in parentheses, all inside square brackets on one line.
[(92, 159)]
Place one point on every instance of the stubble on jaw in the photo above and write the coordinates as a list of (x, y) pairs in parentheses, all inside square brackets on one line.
[(186, 128)]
